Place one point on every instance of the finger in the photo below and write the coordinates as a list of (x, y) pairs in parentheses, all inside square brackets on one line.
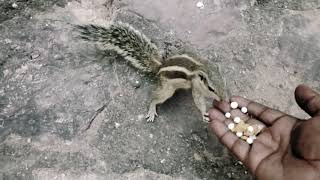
[(237, 146), (259, 111), (305, 140), (222, 106), (228, 121), (308, 100), (216, 115)]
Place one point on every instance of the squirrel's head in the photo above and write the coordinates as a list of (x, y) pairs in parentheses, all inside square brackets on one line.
[(210, 81), (205, 77), (204, 84)]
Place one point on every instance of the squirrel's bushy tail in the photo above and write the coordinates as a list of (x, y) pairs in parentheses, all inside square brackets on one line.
[(127, 42)]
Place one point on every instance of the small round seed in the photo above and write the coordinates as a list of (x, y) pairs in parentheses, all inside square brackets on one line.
[(231, 126), (228, 115), (244, 109), (253, 137), (237, 120), (249, 140), (250, 129), (200, 5), (239, 134), (234, 105)]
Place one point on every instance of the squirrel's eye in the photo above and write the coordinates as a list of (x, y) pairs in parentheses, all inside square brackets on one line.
[(211, 89), (201, 77)]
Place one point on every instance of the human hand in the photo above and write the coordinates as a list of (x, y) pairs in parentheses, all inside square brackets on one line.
[(287, 148)]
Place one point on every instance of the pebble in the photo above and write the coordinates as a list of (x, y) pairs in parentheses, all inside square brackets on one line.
[(116, 125), (244, 109), (152, 151), (229, 175), (57, 57), (197, 157), (141, 117), (14, 47), (228, 115), (200, 5), (136, 84), (237, 120), (234, 105), (67, 142), (7, 41), (15, 5), (34, 55)]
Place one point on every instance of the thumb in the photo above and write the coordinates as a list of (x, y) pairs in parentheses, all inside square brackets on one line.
[(308, 100), (305, 140)]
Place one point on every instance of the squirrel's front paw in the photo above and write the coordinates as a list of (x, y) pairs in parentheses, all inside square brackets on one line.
[(205, 118)]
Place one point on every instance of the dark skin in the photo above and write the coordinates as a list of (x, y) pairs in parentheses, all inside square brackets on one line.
[(287, 147)]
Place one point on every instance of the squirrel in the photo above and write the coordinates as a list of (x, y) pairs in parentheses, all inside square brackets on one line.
[(181, 71)]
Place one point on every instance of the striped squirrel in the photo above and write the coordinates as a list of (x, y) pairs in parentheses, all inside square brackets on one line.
[(180, 71)]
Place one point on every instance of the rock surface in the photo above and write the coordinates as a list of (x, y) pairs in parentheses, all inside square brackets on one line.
[(52, 85)]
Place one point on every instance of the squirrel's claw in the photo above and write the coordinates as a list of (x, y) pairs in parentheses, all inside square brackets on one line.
[(205, 118), (151, 116)]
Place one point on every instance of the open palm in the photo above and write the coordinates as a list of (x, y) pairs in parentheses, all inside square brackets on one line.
[(287, 148)]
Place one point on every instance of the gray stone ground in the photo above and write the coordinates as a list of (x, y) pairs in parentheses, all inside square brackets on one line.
[(52, 85)]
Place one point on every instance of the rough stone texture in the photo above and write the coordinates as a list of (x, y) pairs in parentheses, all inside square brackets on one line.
[(52, 85)]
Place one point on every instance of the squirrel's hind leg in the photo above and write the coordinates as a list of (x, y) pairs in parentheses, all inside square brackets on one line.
[(164, 92)]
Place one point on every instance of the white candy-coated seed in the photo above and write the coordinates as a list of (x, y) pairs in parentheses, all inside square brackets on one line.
[(253, 137), (260, 127), (249, 140), (239, 134), (244, 109), (250, 129), (234, 105), (237, 120), (231, 126), (228, 115)]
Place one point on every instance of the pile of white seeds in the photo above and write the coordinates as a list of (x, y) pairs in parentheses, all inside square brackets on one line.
[(243, 130)]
